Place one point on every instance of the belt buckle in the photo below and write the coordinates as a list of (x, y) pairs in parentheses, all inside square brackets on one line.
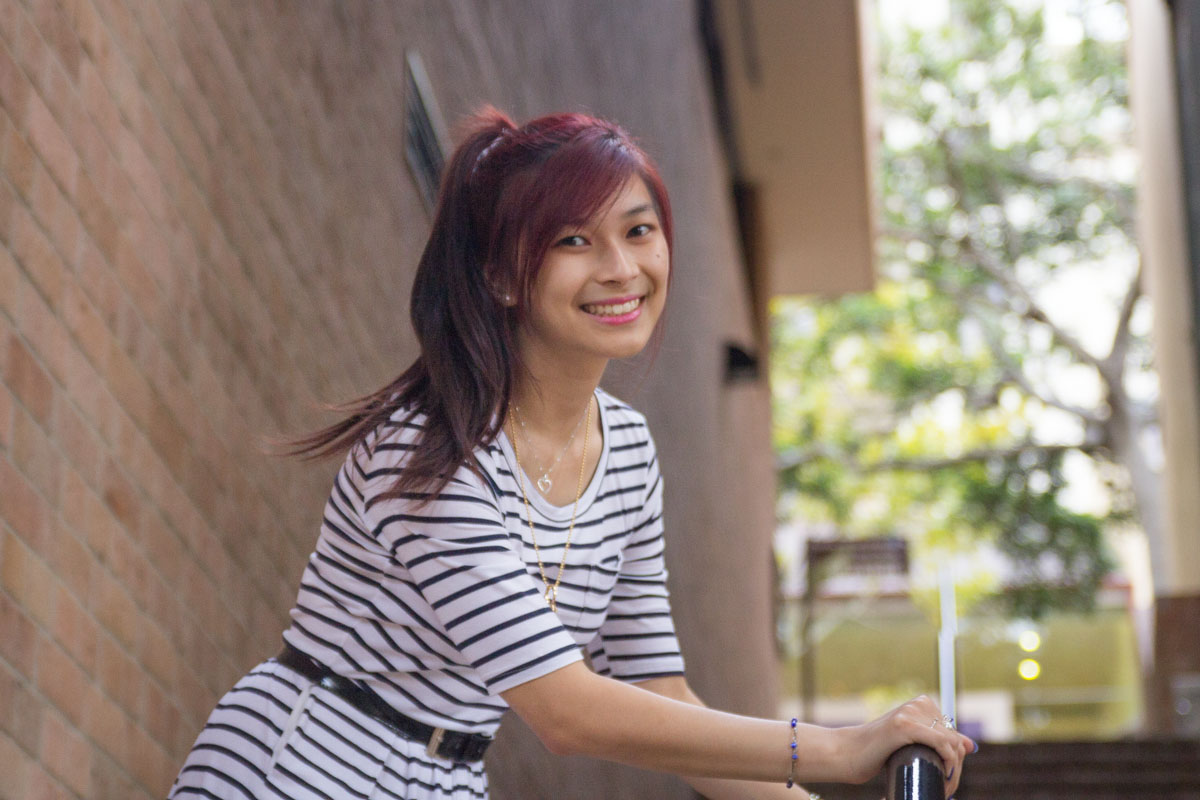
[(435, 741)]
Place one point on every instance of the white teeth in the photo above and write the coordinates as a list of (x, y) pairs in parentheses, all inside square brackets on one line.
[(613, 310)]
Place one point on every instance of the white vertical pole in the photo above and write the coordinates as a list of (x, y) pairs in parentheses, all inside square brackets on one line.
[(946, 640)]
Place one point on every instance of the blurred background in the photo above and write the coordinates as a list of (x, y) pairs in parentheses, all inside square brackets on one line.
[(933, 313)]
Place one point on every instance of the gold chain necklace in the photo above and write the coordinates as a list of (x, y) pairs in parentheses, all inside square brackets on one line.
[(544, 483), (551, 595)]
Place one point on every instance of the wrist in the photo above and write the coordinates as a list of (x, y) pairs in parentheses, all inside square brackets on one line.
[(840, 752)]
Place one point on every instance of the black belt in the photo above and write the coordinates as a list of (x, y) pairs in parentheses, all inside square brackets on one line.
[(439, 742)]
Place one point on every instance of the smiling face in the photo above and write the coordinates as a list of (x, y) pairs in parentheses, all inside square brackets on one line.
[(602, 285)]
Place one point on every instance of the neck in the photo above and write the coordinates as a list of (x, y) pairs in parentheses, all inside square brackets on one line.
[(553, 393), (554, 406)]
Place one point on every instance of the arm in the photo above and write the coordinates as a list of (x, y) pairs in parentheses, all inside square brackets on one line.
[(677, 688), (575, 712)]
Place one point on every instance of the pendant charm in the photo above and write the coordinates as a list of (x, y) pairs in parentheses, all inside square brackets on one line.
[(552, 597), (544, 483)]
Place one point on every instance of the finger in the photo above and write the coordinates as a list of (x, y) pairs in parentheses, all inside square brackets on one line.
[(954, 775), (952, 786)]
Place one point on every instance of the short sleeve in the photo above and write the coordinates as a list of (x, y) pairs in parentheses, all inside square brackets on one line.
[(460, 558), (637, 639)]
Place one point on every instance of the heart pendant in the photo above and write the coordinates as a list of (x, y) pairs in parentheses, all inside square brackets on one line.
[(544, 483)]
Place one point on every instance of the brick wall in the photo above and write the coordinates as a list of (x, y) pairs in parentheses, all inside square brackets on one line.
[(207, 228)]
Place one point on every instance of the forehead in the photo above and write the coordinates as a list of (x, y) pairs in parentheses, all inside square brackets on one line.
[(632, 197)]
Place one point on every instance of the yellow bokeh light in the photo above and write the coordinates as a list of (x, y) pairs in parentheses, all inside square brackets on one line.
[(1029, 641), (1029, 669)]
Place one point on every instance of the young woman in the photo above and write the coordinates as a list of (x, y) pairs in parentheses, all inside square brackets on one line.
[(494, 538)]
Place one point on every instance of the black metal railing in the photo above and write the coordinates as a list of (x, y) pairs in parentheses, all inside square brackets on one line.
[(914, 772)]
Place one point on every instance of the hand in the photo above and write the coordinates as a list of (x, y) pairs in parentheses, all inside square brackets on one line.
[(866, 747)]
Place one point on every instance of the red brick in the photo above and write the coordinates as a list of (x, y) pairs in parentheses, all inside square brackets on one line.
[(109, 780), (66, 755), (69, 559), (44, 331), (8, 198), (6, 415), (46, 136), (77, 440), (139, 282), (14, 86), (163, 721), (158, 656), (10, 284), (35, 253), (120, 677), (20, 711), (17, 767), (85, 326), (102, 720), (75, 629), (37, 459), (97, 281), (78, 505), (27, 380), (18, 636), (23, 508), (148, 763), (26, 578), (61, 680), (18, 161), (121, 497), (113, 608), (163, 549), (53, 20), (43, 787), (128, 386), (98, 124), (97, 217), (55, 215)]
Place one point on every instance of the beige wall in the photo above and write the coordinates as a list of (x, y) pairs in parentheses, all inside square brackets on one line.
[(206, 226)]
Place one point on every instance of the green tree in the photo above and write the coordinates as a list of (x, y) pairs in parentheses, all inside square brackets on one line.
[(952, 402)]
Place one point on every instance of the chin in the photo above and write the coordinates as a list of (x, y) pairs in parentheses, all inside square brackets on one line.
[(631, 349)]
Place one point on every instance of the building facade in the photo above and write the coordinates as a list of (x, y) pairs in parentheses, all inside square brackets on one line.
[(208, 227)]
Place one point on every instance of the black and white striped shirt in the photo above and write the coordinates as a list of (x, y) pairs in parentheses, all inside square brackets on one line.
[(440, 607)]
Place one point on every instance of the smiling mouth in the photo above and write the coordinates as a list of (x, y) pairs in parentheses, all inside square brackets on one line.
[(614, 309)]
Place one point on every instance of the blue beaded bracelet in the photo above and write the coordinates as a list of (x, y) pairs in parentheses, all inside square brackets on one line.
[(792, 771)]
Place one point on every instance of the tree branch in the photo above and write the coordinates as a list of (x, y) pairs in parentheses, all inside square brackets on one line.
[(795, 460), (1116, 193), (1010, 370), (1114, 362), (1029, 307)]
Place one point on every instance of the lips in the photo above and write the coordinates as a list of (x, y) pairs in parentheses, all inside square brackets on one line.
[(614, 309)]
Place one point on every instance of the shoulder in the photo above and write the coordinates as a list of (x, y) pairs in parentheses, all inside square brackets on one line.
[(379, 458), (621, 418), (629, 441)]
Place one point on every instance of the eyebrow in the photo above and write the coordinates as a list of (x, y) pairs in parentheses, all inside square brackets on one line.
[(633, 212)]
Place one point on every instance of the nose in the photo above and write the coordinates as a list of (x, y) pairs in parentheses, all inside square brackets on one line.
[(618, 264)]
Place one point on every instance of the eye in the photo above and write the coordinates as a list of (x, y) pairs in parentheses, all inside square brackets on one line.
[(642, 229), (574, 240)]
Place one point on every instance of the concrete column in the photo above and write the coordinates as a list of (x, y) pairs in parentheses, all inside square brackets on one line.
[(1162, 234)]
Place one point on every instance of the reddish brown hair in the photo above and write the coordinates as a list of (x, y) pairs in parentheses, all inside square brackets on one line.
[(506, 193)]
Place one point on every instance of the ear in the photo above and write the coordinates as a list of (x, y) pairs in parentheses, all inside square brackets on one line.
[(499, 290)]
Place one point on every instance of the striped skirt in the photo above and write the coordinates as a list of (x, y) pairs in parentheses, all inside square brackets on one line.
[(275, 735)]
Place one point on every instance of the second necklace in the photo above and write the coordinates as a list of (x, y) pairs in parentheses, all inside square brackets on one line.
[(551, 594)]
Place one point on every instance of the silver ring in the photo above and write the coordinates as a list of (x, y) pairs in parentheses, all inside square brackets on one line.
[(948, 721), (935, 723)]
